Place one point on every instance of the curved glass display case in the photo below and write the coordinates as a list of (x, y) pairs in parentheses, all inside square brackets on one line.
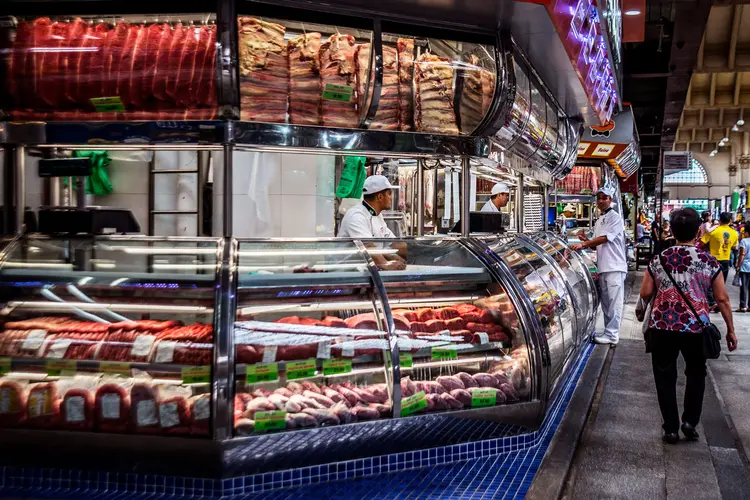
[(109, 334)]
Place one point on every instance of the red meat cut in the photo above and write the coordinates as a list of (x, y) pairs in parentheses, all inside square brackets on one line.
[(43, 405), (77, 410), (112, 408), (12, 404), (144, 411)]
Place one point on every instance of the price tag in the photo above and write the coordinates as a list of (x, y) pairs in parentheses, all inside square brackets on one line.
[(107, 104), (113, 367), (58, 348), (142, 345), (336, 366), (406, 360), (483, 338), (483, 397), (413, 404), (269, 353), (60, 367), (196, 374), (33, 340), (324, 350), (445, 223), (341, 93), (300, 369), (4, 365), (270, 421), (444, 353), (261, 373)]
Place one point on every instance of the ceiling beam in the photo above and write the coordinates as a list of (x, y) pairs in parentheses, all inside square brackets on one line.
[(699, 62), (689, 96), (737, 88), (721, 117), (712, 91), (736, 19), (700, 116), (698, 107)]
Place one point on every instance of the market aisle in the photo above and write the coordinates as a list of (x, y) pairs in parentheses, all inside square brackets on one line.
[(621, 454)]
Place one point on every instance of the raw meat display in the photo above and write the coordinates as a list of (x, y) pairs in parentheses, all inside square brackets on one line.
[(386, 117), (337, 68), (433, 108), (157, 71), (77, 409), (12, 403), (174, 410), (112, 407), (581, 180), (304, 79), (264, 71), (22, 343), (43, 405), (405, 77), (144, 411), (478, 86), (200, 414)]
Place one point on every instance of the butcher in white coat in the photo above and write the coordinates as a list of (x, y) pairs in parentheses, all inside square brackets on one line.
[(499, 197)]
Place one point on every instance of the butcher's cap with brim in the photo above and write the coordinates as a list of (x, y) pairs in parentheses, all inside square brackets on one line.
[(606, 190), (500, 188), (377, 183)]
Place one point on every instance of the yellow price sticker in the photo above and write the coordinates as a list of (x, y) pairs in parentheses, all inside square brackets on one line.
[(60, 367), (114, 367), (196, 374), (262, 373)]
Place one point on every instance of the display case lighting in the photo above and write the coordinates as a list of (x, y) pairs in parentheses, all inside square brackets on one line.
[(69, 306)]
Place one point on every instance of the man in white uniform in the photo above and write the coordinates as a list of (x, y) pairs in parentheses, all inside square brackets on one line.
[(365, 221), (499, 197), (609, 241)]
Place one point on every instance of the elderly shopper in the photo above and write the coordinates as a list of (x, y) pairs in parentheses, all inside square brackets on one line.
[(672, 326)]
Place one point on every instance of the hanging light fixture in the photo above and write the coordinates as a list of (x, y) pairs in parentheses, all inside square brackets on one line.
[(736, 128)]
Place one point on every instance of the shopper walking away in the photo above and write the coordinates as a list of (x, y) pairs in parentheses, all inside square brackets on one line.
[(609, 241), (719, 243), (743, 267), (673, 328)]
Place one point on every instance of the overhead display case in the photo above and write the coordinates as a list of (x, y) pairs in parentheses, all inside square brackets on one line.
[(108, 335)]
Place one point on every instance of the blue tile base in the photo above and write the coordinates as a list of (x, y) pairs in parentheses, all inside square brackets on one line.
[(504, 465)]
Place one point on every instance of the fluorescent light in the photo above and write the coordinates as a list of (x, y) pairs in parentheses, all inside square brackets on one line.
[(632, 12)]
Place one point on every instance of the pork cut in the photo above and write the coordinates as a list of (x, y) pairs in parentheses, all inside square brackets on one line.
[(337, 67), (386, 117), (304, 79), (433, 109), (405, 84), (264, 71), (478, 86)]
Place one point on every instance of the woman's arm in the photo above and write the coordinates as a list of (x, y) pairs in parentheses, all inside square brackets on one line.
[(647, 287), (722, 299), (740, 258)]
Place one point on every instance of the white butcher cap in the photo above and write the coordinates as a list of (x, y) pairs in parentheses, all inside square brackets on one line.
[(607, 191), (499, 188), (376, 183)]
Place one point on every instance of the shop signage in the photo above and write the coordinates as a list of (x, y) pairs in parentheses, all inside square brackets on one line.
[(677, 161), (603, 150), (583, 147)]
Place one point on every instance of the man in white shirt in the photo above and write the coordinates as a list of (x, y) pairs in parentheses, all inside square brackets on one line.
[(499, 197), (365, 221), (612, 264)]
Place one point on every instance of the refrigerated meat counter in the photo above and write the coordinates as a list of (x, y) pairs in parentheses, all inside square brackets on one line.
[(285, 352)]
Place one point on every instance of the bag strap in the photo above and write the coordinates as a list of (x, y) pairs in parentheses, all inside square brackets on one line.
[(662, 260)]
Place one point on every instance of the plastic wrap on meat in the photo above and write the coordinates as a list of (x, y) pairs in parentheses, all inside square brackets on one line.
[(466, 379), (333, 322), (364, 413), (366, 395), (450, 383), (12, 403), (322, 417), (304, 79), (386, 117), (407, 387), (295, 387), (22, 343), (400, 322), (405, 47), (261, 393), (245, 426), (425, 314), (462, 396), (383, 410), (320, 399), (144, 408), (306, 402), (309, 386), (335, 396), (451, 402), (455, 324), (342, 412), (256, 405), (174, 415), (418, 327), (410, 316), (433, 108), (112, 408), (446, 313), (300, 421), (435, 325), (43, 406), (200, 414), (510, 393), (247, 354), (279, 401), (433, 387), (337, 67), (284, 392), (380, 391), (352, 397), (486, 380), (471, 316)]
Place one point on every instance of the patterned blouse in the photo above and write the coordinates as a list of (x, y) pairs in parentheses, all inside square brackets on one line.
[(694, 272)]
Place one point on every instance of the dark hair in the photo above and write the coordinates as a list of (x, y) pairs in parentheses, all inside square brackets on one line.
[(685, 224), (725, 218), (746, 227), (706, 216)]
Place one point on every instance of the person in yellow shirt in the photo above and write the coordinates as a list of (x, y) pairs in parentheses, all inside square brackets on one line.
[(721, 241)]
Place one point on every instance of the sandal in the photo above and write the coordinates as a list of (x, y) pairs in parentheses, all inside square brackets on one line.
[(741, 311)]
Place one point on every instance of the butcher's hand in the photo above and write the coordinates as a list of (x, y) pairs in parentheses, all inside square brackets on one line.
[(575, 246), (582, 236), (394, 265), (731, 341)]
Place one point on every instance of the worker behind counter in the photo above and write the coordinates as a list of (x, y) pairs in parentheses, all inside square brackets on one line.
[(365, 221), (499, 197)]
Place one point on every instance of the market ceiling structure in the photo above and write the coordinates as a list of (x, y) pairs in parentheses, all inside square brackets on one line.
[(657, 74), (719, 92)]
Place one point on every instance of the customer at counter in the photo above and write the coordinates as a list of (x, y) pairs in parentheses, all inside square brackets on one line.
[(499, 197), (365, 221), (609, 241)]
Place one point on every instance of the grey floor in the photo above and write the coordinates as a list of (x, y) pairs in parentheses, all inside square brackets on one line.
[(621, 454)]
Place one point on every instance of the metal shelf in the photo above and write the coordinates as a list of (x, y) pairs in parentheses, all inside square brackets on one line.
[(91, 365)]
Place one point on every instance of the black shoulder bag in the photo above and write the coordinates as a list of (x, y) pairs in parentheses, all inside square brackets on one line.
[(711, 334)]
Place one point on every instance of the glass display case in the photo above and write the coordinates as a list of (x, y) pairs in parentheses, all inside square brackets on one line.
[(108, 68), (110, 334)]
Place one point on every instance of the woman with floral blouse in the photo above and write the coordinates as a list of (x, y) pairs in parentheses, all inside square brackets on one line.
[(674, 329)]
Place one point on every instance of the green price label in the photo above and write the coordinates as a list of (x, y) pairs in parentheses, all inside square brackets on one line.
[(270, 421), (341, 93), (443, 353), (413, 404), (116, 368), (300, 369), (107, 104), (262, 373), (196, 374), (336, 366), (483, 397), (406, 360), (4, 365), (60, 367)]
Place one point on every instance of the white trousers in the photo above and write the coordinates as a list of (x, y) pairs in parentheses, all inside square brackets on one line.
[(612, 287)]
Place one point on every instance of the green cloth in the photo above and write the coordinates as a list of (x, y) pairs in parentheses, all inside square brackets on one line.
[(98, 182), (352, 178)]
